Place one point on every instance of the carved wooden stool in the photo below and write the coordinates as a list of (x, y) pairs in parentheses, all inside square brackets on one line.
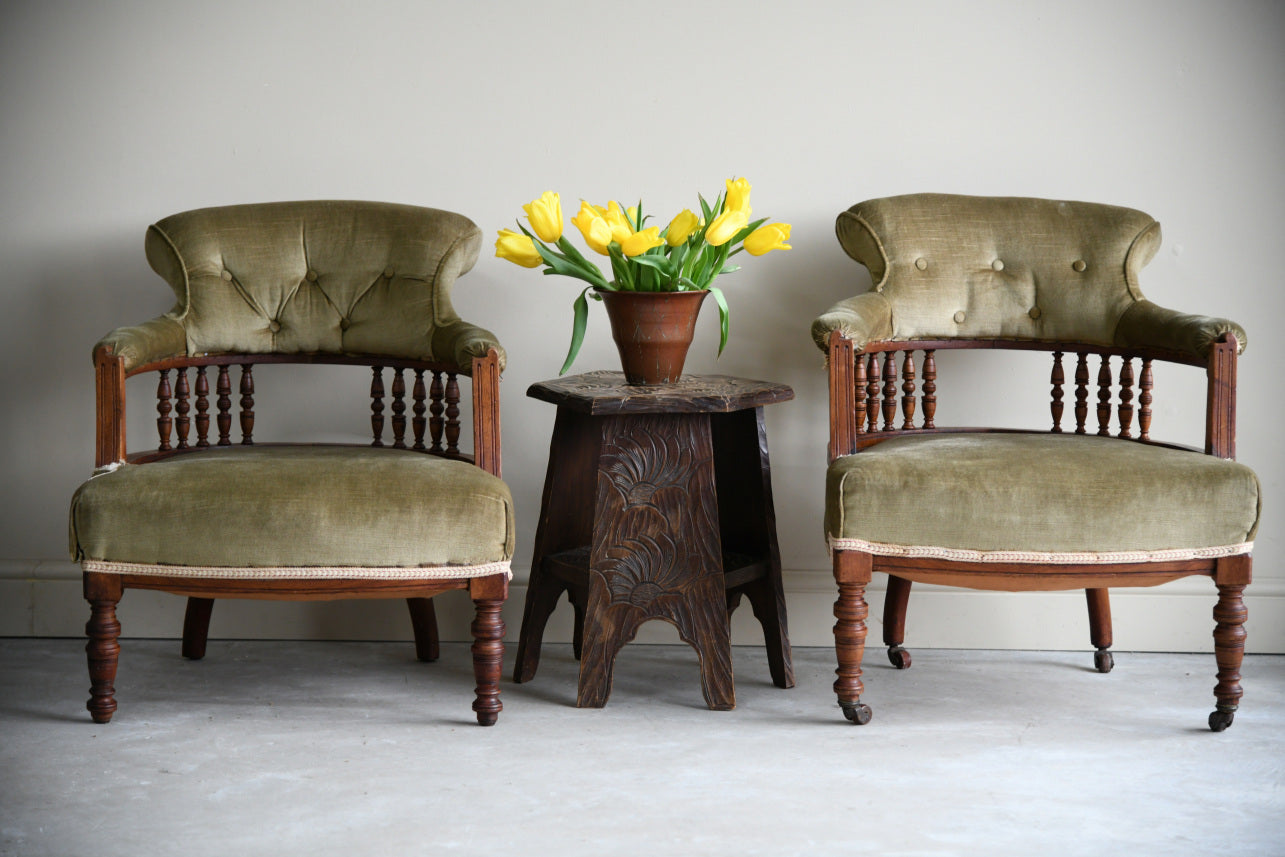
[(657, 505)]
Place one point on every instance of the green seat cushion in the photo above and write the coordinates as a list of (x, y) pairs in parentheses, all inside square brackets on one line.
[(295, 506), (1055, 493)]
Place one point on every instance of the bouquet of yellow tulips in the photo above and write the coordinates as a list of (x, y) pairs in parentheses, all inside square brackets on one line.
[(687, 255)]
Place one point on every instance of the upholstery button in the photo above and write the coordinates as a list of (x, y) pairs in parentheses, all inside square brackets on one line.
[(1079, 265), (921, 263), (344, 324), (388, 272), (997, 265), (1035, 312), (312, 276), (959, 317), (227, 275), (274, 326)]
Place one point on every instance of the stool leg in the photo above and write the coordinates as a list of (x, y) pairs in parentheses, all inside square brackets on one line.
[(1100, 628), (196, 627), (768, 603), (542, 597), (103, 592), (894, 621)]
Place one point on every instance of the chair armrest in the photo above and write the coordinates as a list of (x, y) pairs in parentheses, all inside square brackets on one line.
[(863, 319), (145, 343), (460, 342), (1147, 325)]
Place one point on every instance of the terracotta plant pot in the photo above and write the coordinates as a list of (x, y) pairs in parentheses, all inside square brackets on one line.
[(653, 331)]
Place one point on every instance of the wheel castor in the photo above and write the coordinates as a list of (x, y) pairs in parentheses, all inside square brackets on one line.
[(856, 712), (1103, 660), (1220, 720), (899, 657)]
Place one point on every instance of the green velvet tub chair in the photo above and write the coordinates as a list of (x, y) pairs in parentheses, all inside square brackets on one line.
[(212, 514), (1090, 503)]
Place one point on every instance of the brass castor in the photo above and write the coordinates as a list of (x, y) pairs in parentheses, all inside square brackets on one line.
[(1220, 720), (899, 657), (856, 712), (1103, 660)]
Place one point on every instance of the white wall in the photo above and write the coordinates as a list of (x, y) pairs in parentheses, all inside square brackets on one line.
[(113, 115)]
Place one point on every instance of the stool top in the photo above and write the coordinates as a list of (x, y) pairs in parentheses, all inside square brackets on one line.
[(601, 393)]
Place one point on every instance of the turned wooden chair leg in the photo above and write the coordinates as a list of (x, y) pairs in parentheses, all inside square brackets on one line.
[(852, 572), (423, 619), (488, 595), (1229, 650), (894, 621), (1100, 628), (103, 592), (196, 627)]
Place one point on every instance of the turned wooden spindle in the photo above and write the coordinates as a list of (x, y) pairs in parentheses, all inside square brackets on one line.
[(930, 389), (872, 393), (889, 390), (1081, 391), (202, 408), (247, 404), (452, 414), (1229, 651), (908, 391), (488, 655), (1057, 379), (419, 422), (1104, 397), (399, 409), (861, 395), (223, 386), (850, 613), (435, 422), (163, 408), (184, 423), (377, 405), (1125, 411), (103, 651), (1144, 401)]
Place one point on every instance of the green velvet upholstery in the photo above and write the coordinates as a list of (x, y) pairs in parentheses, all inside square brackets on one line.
[(1041, 493), (291, 506), (322, 276), (964, 267)]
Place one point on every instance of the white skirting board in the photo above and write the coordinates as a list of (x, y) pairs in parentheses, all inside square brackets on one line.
[(43, 599)]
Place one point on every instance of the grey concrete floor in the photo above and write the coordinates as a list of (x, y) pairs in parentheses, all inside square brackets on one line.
[(356, 748)]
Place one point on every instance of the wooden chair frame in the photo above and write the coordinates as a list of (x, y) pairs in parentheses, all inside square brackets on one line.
[(435, 409), (858, 377)]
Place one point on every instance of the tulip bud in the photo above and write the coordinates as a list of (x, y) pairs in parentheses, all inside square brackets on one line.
[(545, 215), (517, 248)]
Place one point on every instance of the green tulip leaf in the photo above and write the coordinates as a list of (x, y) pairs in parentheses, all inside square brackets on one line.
[(580, 310), (722, 318)]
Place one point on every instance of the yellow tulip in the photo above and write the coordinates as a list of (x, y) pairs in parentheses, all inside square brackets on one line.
[(738, 196), (681, 227), (771, 236), (641, 242), (517, 248), (621, 228), (725, 227), (545, 215), (596, 232)]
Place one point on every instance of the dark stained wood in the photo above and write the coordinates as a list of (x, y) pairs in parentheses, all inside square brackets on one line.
[(908, 390), (889, 390), (930, 389), (223, 387), (109, 393), (488, 594), (424, 623), (1220, 408), (196, 627), (872, 392), (202, 408), (486, 413), (436, 424), (1057, 380), (632, 524), (247, 404), (183, 407), (377, 405), (852, 571), (452, 415), (894, 620), (1099, 602), (1144, 401), (103, 651), (399, 409), (1104, 397), (163, 408), (1124, 413), (1081, 391), (857, 425), (419, 422)]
